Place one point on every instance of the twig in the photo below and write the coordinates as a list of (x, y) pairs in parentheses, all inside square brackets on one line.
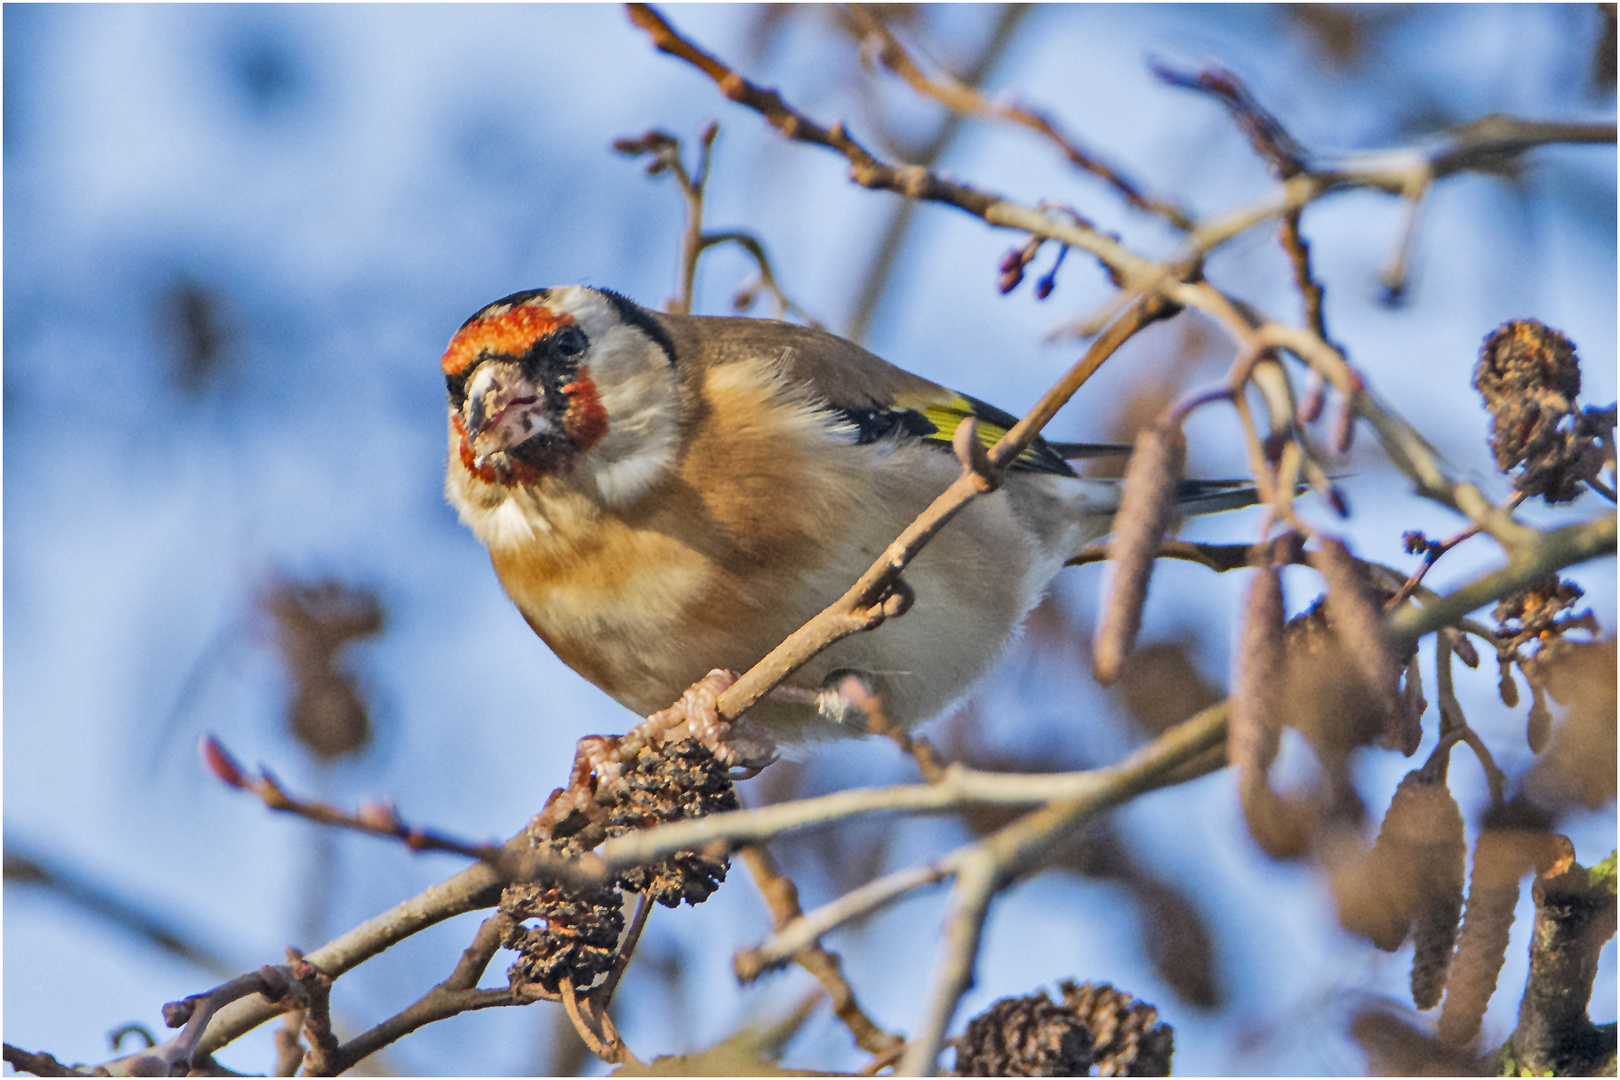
[(1266, 133), (874, 285), (868, 171), (1432, 551), (961, 97), (101, 900), (458, 993), (1217, 557), (1393, 276), (40, 1064), (375, 819), (627, 949), (601, 1036), (324, 1056), (1299, 256), (665, 150), (289, 1048), (983, 871), (1553, 550), (958, 787), (766, 279), (666, 154), (802, 932), (279, 986), (783, 900)]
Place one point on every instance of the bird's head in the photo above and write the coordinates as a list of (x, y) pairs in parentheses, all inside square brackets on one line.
[(565, 382)]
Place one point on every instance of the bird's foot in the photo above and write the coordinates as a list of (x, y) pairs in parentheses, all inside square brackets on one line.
[(741, 743)]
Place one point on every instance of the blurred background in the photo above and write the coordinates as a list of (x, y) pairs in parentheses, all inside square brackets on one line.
[(236, 241)]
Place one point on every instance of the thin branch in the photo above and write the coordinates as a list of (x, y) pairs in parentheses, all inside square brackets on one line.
[(476, 887), (1551, 551), (803, 931), (874, 285), (783, 899), (375, 819), (627, 948), (959, 787), (457, 994), (68, 884), (766, 276), (984, 870), (961, 97), (866, 170), (40, 1064)]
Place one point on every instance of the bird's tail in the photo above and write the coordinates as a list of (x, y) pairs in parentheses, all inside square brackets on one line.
[(1213, 496)]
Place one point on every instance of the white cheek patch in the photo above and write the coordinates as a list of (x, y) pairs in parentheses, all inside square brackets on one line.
[(639, 393)]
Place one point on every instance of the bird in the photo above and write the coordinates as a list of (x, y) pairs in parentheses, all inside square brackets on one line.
[(669, 496)]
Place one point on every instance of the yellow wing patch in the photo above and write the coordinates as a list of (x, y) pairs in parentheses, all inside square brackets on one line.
[(945, 415)]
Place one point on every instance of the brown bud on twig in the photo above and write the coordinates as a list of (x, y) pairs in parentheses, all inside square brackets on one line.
[(1146, 507), (974, 456), (220, 763), (1508, 688), (1013, 263)]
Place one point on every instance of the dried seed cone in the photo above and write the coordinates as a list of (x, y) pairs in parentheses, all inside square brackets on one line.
[(1529, 376), (1358, 621), (1027, 1036), (680, 780), (576, 936), (1127, 1037), (1146, 508), (1501, 860)]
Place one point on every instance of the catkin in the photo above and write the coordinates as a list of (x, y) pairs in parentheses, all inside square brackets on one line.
[(1360, 626), (1438, 904), (1501, 859), (1280, 829), (1146, 507)]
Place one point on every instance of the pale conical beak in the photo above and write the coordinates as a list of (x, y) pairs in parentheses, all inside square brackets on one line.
[(504, 408)]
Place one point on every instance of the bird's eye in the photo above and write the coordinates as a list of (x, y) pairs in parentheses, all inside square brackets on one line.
[(570, 341)]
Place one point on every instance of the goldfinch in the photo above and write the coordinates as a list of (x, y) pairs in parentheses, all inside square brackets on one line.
[(662, 495)]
